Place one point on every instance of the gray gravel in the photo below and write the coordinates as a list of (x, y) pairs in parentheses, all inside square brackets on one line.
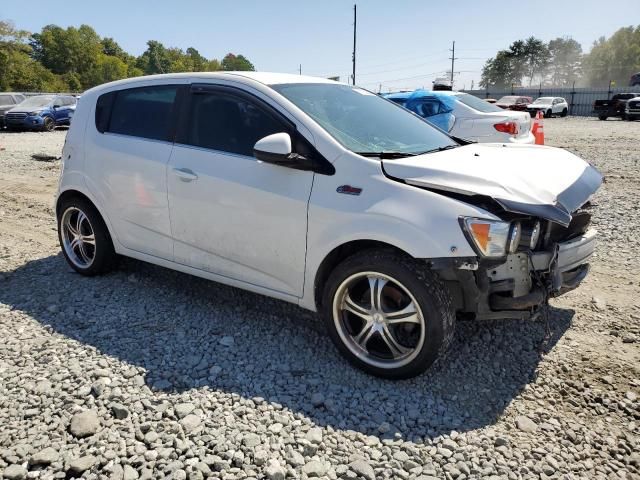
[(149, 374)]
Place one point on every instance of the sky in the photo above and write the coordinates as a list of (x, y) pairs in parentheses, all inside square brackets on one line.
[(400, 45)]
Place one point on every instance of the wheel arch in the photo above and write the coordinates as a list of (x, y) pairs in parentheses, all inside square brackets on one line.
[(337, 255), (77, 193)]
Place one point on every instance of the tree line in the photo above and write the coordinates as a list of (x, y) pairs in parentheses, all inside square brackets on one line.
[(75, 59), (561, 62)]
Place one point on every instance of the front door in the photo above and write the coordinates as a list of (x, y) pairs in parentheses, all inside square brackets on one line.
[(231, 214)]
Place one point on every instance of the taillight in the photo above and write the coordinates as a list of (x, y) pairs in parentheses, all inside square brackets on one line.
[(507, 127)]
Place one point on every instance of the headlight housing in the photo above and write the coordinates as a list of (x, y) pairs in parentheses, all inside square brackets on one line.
[(488, 236), (34, 114)]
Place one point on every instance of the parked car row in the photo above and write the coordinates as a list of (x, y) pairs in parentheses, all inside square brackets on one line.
[(617, 106), (549, 106), (39, 112)]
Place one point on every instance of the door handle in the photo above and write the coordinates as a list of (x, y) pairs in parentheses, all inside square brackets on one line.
[(185, 174)]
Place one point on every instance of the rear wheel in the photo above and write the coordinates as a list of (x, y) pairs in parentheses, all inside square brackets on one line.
[(387, 313), (49, 124), (602, 117), (548, 114), (564, 112), (84, 237)]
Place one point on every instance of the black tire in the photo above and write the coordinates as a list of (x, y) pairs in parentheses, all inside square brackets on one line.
[(428, 291), (49, 124), (602, 117), (104, 257), (564, 112), (548, 114)]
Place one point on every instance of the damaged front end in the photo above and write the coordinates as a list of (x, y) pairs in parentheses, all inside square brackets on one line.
[(519, 283)]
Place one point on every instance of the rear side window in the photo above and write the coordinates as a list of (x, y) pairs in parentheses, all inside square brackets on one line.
[(145, 112), (429, 108), (228, 123)]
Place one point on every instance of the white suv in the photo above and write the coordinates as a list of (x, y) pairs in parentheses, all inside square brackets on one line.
[(327, 196)]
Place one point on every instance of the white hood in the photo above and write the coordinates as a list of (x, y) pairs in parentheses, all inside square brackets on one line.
[(540, 181)]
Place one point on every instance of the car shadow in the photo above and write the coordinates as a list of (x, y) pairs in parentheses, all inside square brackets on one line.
[(189, 333)]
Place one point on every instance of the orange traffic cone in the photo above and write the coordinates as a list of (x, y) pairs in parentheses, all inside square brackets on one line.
[(538, 128)]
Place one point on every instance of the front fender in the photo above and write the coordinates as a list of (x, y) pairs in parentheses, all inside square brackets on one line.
[(421, 223)]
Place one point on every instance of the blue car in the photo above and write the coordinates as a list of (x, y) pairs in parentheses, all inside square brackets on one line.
[(434, 107), (41, 112)]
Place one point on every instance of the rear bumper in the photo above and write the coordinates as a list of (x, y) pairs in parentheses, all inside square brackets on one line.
[(527, 139)]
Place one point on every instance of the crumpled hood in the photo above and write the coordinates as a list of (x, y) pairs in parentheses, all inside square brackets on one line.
[(546, 182)]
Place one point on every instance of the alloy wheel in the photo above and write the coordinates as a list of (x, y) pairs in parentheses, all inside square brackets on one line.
[(78, 237), (378, 319)]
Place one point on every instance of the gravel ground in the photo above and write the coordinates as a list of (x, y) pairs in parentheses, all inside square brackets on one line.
[(148, 373)]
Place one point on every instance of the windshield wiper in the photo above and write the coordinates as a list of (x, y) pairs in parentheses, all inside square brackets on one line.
[(439, 149), (387, 155)]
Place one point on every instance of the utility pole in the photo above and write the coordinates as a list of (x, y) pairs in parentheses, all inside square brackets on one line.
[(353, 56), (300, 69), (453, 59)]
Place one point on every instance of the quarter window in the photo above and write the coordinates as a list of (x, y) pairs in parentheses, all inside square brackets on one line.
[(229, 123), (145, 112)]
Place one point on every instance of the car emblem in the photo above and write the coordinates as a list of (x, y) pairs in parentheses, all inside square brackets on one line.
[(348, 190)]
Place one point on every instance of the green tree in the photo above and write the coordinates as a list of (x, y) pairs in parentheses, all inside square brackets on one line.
[(566, 61), (233, 62), (498, 72), (155, 59), (615, 58)]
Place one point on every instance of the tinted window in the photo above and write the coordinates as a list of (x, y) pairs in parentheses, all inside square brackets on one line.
[(228, 123), (429, 108), (143, 112), (103, 111), (476, 103), (6, 100)]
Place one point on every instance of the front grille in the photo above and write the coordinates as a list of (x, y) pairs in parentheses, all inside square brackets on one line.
[(15, 117), (634, 105), (579, 225)]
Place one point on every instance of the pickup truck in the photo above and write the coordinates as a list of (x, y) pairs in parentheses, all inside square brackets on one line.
[(614, 107)]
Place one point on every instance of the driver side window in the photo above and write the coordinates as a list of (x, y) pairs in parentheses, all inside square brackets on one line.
[(228, 123)]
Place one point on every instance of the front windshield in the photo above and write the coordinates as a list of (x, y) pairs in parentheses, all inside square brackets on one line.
[(477, 103), (37, 102), (507, 100), (543, 100), (362, 121)]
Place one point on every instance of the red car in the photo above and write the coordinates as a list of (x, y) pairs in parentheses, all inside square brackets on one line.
[(513, 102)]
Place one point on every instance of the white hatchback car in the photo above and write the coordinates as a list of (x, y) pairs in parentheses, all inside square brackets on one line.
[(327, 196), (549, 106)]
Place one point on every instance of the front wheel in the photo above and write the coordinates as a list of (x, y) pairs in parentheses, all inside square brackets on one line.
[(388, 314), (49, 124)]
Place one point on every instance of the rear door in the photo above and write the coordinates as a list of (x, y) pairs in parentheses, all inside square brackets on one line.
[(231, 214), (130, 145)]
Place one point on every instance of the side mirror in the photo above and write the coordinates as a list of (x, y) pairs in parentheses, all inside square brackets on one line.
[(276, 149), (56, 106)]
